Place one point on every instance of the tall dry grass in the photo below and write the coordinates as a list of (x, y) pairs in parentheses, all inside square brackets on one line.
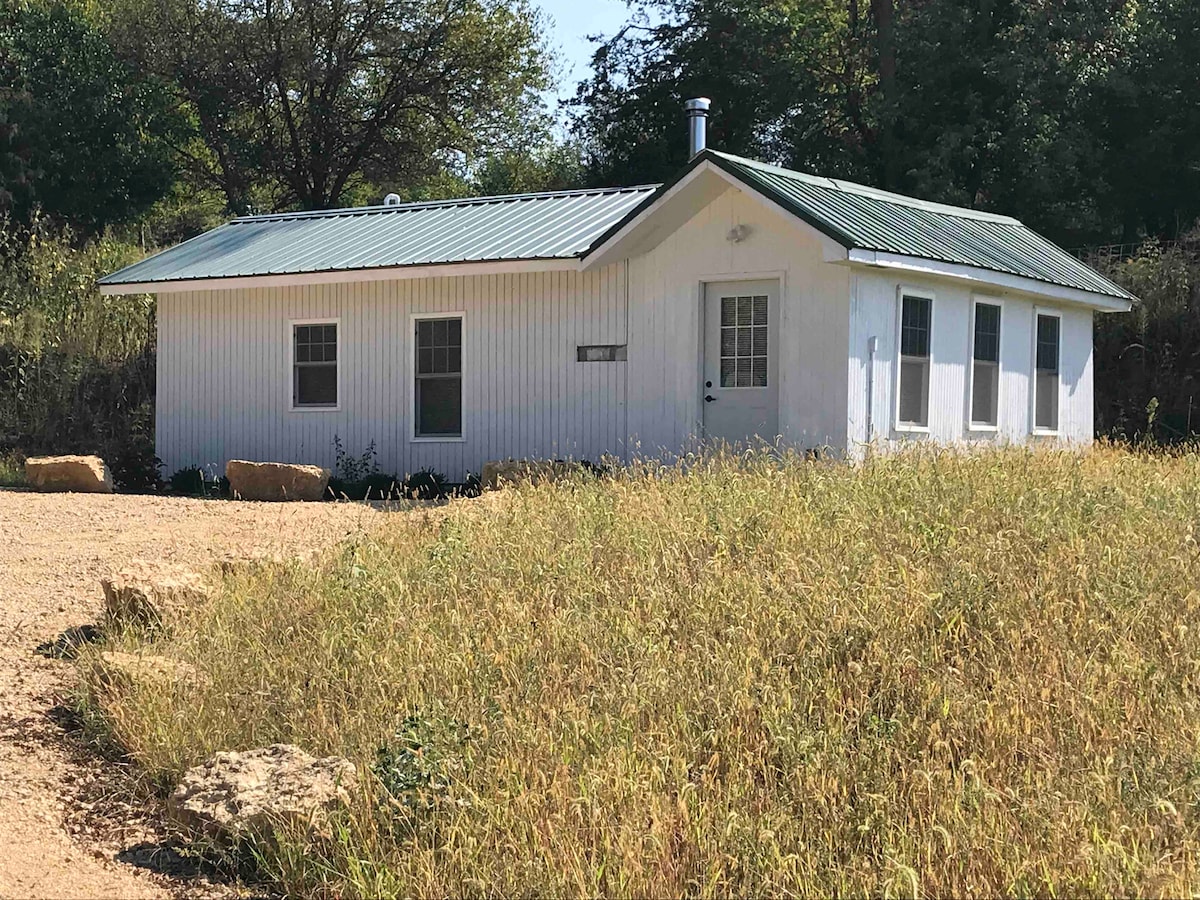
[(928, 675)]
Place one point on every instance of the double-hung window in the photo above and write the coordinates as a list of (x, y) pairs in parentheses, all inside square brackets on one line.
[(438, 392), (916, 320), (985, 370), (1046, 373), (315, 365)]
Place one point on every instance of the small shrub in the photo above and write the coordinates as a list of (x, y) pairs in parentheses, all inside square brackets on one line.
[(352, 469), (418, 766), (12, 470), (376, 486), (425, 485), (188, 482), (134, 465)]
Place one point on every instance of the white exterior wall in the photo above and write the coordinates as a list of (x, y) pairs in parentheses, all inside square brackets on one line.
[(875, 310), (666, 322), (224, 371)]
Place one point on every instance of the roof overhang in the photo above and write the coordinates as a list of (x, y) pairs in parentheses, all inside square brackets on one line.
[(1027, 286), (677, 202), (345, 276)]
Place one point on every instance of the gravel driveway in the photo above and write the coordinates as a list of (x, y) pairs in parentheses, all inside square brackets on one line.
[(53, 550)]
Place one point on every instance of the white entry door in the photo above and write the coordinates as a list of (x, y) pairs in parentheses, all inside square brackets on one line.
[(741, 361)]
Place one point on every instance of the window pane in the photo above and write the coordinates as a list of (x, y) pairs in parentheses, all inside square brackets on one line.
[(914, 391), (760, 311), (745, 343), (760, 341), (760, 372), (455, 337), (454, 365), (728, 372), (985, 393), (439, 406), (744, 377), (914, 326), (424, 362), (330, 334), (728, 311), (729, 342), (425, 333), (1046, 412), (440, 331), (316, 386), (1047, 343), (331, 351), (440, 359), (301, 334), (987, 332), (302, 353), (745, 311)]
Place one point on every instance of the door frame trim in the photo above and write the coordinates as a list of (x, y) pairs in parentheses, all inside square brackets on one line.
[(777, 275)]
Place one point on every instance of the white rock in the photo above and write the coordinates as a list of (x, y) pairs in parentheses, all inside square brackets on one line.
[(236, 795)]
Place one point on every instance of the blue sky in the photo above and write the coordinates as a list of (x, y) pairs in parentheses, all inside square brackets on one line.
[(572, 21)]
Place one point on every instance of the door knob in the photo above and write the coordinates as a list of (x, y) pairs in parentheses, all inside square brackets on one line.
[(709, 398)]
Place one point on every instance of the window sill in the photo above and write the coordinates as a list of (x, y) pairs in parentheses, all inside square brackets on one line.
[(1042, 432), (983, 429), (315, 409), (437, 439), (911, 429)]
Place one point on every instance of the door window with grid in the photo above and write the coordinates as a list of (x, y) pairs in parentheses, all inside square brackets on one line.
[(439, 378), (744, 342), (314, 366)]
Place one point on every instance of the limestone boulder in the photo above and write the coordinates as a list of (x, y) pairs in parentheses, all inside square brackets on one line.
[(498, 473), (249, 794), (78, 474), (276, 481), (122, 671), (151, 594)]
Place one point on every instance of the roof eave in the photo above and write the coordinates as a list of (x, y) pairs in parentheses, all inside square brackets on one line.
[(345, 276), (987, 277)]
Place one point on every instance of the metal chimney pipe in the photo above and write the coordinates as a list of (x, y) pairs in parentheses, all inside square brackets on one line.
[(697, 113)]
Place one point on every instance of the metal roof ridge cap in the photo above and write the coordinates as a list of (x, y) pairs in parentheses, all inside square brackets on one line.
[(853, 187), (433, 204)]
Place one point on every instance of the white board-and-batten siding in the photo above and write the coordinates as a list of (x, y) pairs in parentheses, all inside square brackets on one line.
[(225, 377), (875, 311), (666, 323)]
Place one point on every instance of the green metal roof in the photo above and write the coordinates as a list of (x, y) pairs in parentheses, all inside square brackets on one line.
[(520, 227), (569, 224), (864, 218)]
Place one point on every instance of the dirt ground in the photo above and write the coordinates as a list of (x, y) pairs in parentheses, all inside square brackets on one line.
[(61, 836)]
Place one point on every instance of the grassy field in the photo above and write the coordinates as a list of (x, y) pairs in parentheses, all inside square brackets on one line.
[(930, 675)]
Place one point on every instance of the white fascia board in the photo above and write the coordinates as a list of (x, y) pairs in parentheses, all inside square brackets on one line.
[(1027, 286), (348, 276), (636, 237)]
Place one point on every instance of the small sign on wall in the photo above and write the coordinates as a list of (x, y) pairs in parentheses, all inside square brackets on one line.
[(602, 353)]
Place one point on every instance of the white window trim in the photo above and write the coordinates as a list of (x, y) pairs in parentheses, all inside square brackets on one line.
[(291, 374), (983, 427), (413, 437), (903, 291), (1033, 426)]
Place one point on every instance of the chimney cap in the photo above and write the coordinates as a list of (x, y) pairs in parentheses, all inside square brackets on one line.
[(392, 200), (697, 105)]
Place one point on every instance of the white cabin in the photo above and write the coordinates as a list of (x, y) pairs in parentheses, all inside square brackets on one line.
[(739, 301)]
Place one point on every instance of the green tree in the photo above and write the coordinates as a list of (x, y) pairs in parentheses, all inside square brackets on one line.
[(302, 102), (790, 82), (82, 135)]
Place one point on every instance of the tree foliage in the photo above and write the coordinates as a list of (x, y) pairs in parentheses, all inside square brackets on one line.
[(82, 135), (298, 102), (1075, 116)]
